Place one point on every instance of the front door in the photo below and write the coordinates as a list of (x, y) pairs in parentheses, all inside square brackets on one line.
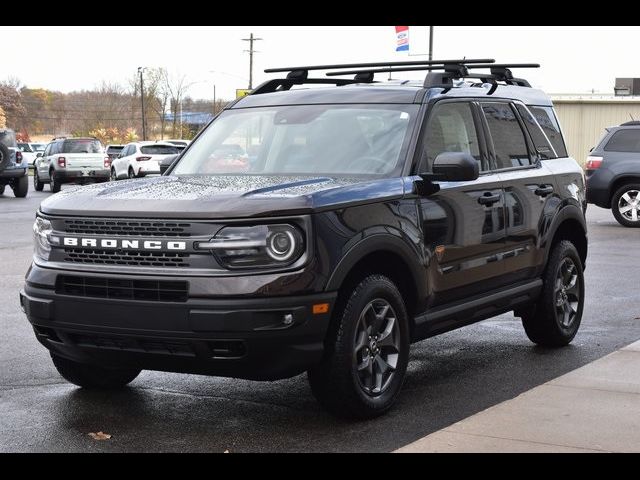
[(464, 222)]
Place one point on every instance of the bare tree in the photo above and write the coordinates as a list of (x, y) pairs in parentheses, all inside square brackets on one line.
[(177, 87)]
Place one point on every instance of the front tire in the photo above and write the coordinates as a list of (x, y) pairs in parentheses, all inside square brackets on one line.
[(93, 377), (131, 173), (2, 189), (625, 205), (114, 176), (21, 187), (366, 352), (37, 184), (555, 319)]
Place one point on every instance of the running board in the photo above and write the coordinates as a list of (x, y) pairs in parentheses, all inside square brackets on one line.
[(449, 317)]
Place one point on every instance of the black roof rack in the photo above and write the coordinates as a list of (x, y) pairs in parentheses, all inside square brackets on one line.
[(300, 75)]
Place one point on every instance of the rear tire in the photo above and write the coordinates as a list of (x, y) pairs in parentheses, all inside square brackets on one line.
[(54, 183), (21, 187), (625, 205), (131, 173), (93, 377), (37, 184), (2, 189), (366, 352), (114, 177), (555, 319)]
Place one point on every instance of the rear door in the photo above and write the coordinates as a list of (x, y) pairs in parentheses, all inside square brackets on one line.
[(463, 222), (83, 154), (517, 146)]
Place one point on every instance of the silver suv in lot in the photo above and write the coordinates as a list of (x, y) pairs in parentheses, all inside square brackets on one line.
[(71, 160), (613, 173)]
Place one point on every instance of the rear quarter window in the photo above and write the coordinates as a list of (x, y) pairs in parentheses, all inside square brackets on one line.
[(627, 140), (546, 118)]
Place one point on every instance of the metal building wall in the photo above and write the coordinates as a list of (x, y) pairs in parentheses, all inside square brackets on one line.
[(584, 119)]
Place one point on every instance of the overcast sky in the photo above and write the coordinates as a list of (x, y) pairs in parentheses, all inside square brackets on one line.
[(574, 59)]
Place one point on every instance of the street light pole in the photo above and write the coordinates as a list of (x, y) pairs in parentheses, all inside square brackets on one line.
[(214, 100), (251, 51), (144, 122)]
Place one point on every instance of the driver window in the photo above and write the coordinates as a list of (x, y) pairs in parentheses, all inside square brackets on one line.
[(451, 128)]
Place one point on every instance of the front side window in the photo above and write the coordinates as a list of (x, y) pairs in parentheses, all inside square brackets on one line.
[(451, 128), (303, 140), (509, 144), (627, 140)]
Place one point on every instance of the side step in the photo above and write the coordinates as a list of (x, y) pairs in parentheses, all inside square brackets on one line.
[(449, 317)]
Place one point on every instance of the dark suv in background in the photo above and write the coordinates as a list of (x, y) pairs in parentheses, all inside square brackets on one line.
[(13, 167), (613, 173), (371, 215)]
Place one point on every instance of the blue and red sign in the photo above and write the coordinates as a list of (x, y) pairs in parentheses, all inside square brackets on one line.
[(402, 35)]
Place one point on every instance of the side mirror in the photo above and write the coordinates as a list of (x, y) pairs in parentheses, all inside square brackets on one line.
[(454, 167), (39, 154)]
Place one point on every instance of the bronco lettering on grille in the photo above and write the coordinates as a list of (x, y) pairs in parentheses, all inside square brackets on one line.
[(123, 244)]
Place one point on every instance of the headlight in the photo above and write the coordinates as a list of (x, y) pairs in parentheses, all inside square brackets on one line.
[(257, 246), (41, 231)]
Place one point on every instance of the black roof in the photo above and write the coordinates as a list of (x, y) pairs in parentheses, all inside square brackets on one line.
[(634, 123)]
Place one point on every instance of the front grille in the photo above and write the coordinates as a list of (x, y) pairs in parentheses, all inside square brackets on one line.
[(125, 257), (125, 227), (130, 344), (122, 289)]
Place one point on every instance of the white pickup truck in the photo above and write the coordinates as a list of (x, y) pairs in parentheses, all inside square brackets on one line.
[(71, 160)]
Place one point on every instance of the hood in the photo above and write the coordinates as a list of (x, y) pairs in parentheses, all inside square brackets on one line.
[(212, 197)]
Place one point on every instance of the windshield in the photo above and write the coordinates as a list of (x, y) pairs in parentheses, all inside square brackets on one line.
[(24, 147), (303, 140), (38, 147), (82, 146)]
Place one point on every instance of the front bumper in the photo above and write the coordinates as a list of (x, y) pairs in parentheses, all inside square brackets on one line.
[(255, 338)]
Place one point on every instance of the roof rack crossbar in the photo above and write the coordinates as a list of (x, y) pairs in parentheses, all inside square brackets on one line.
[(281, 84), (381, 64)]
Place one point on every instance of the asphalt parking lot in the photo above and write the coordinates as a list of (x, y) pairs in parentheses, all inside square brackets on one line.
[(450, 377)]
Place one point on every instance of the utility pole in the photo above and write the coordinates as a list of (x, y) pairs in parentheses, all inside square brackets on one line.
[(251, 51), (144, 120), (431, 43), (214, 100)]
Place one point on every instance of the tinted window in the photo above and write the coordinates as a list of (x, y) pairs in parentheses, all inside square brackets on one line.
[(81, 146), (547, 120), (509, 142), (47, 151), (159, 150), (38, 147), (114, 150), (624, 141), (25, 147), (451, 129), (540, 141)]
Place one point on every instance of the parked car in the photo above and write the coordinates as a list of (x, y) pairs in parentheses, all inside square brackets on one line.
[(71, 160), (113, 151), (373, 216), (139, 159), (613, 173), (13, 166), (166, 162), (29, 151)]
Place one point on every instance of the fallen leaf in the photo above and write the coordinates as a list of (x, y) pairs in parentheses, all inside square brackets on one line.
[(99, 436)]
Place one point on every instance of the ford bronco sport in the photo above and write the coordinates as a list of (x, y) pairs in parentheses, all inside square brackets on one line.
[(368, 215)]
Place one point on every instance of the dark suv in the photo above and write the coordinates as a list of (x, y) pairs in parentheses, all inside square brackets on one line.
[(13, 167), (613, 173), (371, 216)]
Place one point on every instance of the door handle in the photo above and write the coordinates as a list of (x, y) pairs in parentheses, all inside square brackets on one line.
[(544, 190), (488, 199)]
